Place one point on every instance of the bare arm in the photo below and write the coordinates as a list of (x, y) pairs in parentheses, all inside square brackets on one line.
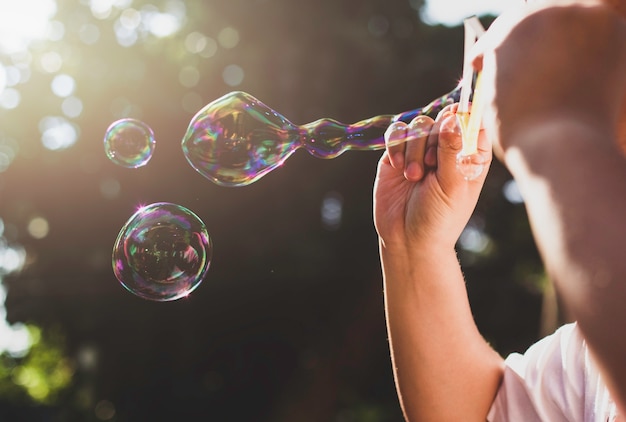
[(444, 369), (557, 84), (575, 191)]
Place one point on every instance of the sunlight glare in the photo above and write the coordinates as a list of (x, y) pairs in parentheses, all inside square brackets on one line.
[(24, 21)]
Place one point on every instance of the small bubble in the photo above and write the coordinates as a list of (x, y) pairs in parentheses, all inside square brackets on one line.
[(129, 143), (470, 166)]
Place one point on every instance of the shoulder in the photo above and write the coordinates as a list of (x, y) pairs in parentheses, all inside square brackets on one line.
[(554, 380)]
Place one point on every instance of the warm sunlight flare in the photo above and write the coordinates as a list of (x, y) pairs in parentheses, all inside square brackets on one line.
[(22, 22)]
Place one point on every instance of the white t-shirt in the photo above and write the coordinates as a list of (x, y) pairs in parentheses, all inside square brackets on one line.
[(554, 381)]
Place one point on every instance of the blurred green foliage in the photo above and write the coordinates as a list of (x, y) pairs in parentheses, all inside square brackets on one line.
[(42, 375)]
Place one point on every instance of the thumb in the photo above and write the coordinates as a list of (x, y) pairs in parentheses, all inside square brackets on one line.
[(450, 144)]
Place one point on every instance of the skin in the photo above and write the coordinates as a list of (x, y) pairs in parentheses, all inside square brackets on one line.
[(422, 204), (565, 148), (556, 117)]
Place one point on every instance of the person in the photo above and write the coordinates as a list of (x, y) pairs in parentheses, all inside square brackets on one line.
[(554, 80)]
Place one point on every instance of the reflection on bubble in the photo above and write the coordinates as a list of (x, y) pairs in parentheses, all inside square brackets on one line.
[(162, 253), (129, 143)]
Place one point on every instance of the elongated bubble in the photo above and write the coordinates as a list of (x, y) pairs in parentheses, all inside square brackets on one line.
[(162, 253), (129, 143), (236, 139)]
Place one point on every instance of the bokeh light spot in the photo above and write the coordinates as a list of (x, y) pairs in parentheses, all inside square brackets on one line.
[(38, 227), (63, 85), (233, 75), (55, 31), (57, 133), (51, 61), (22, 22), (189, 76), (8, 151), (72, 107), (130, 19), (89, 34), (10, 98), (105, 410), (165, 24), (13, 76), (511, 192), (195, 42), (3, 78), (125, 37), (209, 49), (332, 211), (228, 37)]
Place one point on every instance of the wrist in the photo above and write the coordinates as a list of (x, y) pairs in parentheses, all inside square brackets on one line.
[(412, 253)]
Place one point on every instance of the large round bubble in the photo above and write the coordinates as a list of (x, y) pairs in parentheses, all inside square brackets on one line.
[(162, 253)]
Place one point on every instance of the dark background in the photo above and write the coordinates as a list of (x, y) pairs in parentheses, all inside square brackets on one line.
[(289, 323)]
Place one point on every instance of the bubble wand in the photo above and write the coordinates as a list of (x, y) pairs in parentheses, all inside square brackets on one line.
[(469, 161)]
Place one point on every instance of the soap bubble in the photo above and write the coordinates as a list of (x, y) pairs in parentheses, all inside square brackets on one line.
[(470, 165), (162, 253), (129, 143)]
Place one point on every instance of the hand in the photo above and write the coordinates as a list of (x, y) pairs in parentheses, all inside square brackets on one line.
[(420, 198), (553, 61)]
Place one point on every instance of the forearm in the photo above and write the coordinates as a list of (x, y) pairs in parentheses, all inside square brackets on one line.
[(444, 369), (573, 178)]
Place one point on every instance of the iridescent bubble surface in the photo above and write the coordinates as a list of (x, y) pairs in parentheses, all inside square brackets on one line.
[(162, 253), (129, 143), (236, 139)]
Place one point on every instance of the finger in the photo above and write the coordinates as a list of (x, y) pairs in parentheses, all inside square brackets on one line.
[(430, 155), (450, 144), (395, 143), (418, 132), (471, 167)]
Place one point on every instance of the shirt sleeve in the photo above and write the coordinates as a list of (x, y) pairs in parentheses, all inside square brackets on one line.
[(553, 381)]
